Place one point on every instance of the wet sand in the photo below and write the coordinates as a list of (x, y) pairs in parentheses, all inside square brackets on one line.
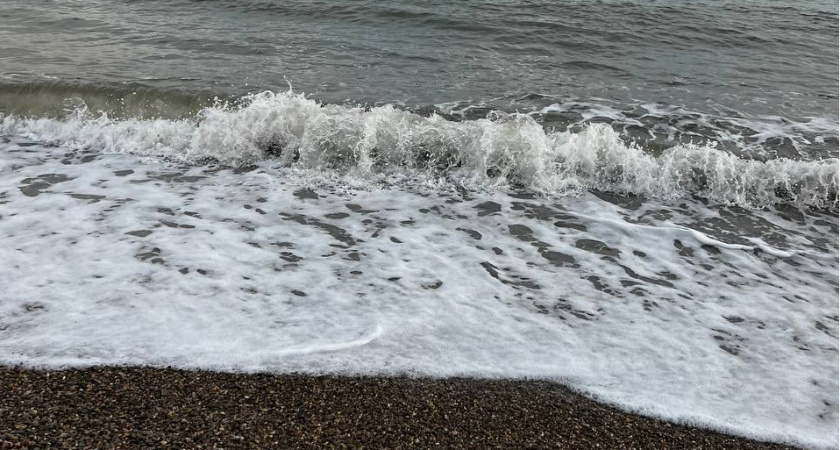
[(166, 408)]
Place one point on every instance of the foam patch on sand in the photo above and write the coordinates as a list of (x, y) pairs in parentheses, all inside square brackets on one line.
[(716, 316)]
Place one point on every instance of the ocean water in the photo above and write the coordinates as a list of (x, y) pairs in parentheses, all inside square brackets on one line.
[(636, 199)]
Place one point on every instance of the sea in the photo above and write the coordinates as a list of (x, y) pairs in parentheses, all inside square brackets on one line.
[(636, 199)]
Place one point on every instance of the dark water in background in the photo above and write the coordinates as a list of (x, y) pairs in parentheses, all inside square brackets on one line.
[(767, 63), (757, 57)]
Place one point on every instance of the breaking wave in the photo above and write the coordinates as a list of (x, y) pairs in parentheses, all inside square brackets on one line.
[(501, 149)]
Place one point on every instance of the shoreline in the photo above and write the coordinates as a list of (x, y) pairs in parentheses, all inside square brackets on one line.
[(142, 407)]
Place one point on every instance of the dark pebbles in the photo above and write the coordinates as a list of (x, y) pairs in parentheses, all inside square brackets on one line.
[(110, 407)]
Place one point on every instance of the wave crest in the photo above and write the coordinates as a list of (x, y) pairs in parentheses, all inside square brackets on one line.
[(497, 150)]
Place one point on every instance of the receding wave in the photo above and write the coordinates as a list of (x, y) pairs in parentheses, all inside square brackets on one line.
[(55, 99), (501, 149)]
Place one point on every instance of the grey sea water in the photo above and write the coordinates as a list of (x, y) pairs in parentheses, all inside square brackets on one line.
[(636, 198), (758, 57), (765, 64)]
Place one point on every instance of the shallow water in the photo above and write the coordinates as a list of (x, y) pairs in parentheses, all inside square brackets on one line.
[(636, 199)]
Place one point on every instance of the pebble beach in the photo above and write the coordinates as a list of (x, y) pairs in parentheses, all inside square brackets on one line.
[(137, 407)]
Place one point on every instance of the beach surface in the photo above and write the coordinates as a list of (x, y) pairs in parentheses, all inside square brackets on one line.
[(138, 407)]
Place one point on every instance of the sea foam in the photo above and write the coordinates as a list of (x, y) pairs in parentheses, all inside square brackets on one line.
[(501, 149), (717, 316)]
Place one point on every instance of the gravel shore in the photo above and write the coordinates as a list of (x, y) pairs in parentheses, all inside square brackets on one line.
[(109, 407)]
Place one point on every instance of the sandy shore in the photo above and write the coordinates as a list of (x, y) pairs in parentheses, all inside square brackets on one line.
[(166, 408)]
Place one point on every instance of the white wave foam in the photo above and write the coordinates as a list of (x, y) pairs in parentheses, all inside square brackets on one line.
[(750, 132), (504, 148), (674, 314), (754, 135)]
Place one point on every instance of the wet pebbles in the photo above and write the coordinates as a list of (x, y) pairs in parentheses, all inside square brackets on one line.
[(166, 408)]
